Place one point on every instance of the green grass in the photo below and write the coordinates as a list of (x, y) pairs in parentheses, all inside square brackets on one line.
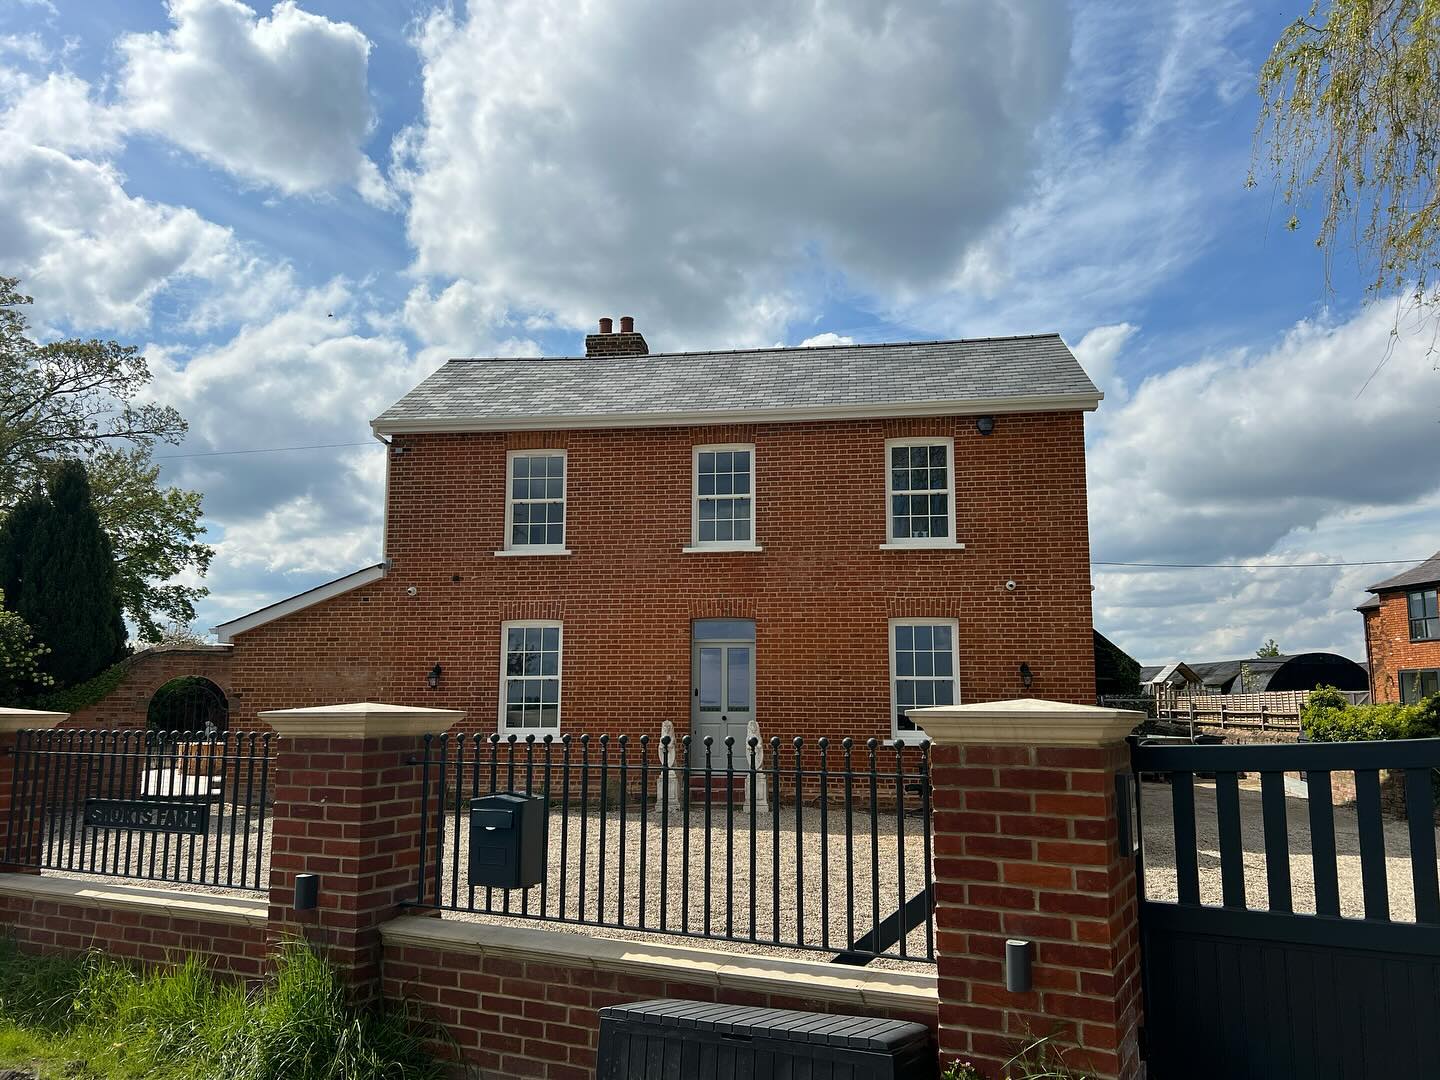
[(92, 1017)]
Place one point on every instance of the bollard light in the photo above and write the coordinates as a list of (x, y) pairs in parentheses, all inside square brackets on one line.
[(307, 892), (1018, 957)]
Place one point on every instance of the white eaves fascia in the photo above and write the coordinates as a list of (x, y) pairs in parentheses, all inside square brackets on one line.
[(703, 417), (226, 631)]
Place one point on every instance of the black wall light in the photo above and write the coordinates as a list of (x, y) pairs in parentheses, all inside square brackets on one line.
[(984, 424), (307, 892), (1027, 677), (432, 679)]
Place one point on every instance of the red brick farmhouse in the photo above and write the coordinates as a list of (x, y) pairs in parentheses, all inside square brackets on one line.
[(815, 538), (1402, 634)]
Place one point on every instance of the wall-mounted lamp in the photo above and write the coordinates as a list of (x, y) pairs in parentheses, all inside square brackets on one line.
[(1027, 677), (1018, 957), (432, 679), (307, 892), (984, 424)]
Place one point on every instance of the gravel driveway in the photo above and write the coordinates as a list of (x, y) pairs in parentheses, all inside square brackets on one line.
[(1160, 852)]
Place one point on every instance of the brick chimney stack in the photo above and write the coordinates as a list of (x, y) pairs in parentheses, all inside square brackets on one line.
[(628, 342)]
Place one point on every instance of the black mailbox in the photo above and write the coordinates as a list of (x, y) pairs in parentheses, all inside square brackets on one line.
[(507, 841)]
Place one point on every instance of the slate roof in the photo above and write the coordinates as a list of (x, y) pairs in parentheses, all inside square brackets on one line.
[(1427, 573), (909, 378)]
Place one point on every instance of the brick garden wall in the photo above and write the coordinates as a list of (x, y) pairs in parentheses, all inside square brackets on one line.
[(1387, 633), (147, 671), (821, 592), (58, 924), (516, 1017)]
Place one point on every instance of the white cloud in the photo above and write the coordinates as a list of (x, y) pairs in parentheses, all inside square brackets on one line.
[(1098, 352), (1265, 457), (688, 162), (1128, 187), (827, 338), (280, 100), (30, 47), (59, 112), (92, 254)]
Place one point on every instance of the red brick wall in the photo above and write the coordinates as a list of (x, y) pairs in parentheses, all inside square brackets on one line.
[(519, 1019), (54, 926), (127, 705), (1391, 650), (821, 592)]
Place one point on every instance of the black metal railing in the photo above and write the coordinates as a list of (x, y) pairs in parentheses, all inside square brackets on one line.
[(181, 807), (822, 846)]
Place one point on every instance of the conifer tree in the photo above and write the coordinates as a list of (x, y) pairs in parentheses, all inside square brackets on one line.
[(57, 570)]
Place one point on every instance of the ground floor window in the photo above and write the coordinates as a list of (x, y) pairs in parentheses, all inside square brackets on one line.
[(1418, 684), (924, 668), (530, 678)]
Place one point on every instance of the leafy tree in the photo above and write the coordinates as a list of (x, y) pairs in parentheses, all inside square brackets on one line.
[(156, 533), (1350, 112), (182, 635), (1269, 649), (20, 655), (81, 400), (57, 566)]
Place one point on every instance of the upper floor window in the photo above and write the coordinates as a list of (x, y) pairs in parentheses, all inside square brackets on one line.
[(920, 483), (1425, 615), (924, 668), (535, 509), (724, 501), (530, 677), (1418, 685)]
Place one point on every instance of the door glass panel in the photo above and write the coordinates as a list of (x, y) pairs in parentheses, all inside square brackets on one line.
[(710, 664), (737, 696)]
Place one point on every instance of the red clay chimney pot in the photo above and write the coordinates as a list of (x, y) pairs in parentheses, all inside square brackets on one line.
[(627, 324), (607, 325)]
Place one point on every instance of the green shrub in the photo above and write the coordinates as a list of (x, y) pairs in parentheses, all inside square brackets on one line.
[(181, 1021), (1328, 716)]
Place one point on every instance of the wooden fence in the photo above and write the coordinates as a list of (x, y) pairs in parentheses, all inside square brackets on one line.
[(1278, 711)]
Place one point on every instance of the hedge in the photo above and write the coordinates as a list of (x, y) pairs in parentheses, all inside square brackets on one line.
[(1328, 716)]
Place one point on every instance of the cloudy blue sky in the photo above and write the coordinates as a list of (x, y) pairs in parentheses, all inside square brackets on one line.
[(299, 209)]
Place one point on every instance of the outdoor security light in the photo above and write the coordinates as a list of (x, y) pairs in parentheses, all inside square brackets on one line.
[(1026, 675), (432, 680), (985, 424), (1019, 955), (307, 892)]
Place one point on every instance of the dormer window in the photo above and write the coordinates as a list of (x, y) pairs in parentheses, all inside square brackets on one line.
[(535, 507)]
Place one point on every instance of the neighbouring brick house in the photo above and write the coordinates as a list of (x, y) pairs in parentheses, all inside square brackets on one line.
[(1402, 633), (817, 538)]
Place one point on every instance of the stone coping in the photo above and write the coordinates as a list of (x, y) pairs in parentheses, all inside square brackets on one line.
[(236, 910), (360, 720), (1025, 722), (19, 719), (854, 987)]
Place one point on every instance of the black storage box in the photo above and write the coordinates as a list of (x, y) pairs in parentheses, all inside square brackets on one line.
[(694, 1040)]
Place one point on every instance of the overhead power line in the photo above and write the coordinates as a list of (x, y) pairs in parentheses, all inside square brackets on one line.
[(263, 450)]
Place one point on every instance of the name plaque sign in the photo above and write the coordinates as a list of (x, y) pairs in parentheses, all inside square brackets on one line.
[(147, 815)]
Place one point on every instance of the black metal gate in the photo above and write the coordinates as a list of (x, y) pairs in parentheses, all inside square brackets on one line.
[(1331, 968), (189, 703)]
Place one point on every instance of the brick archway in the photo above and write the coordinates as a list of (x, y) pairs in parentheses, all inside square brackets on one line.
[(146, 672)]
